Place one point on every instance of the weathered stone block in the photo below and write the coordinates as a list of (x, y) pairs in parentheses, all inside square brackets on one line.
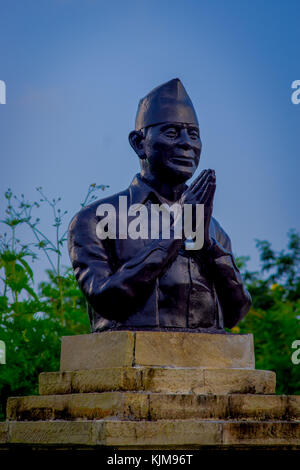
[(194, 350), (188, 406), (78, 406), (159, 379), (261, 407), (3, 433), (52, 383), (223, 381), (156, 434), (260, 433), (161, 433), (123, 379), (144, 348), (172, 380), (34, 408), (53, 432), (97, 350), (293, 406), (110, 379), (150, 406)]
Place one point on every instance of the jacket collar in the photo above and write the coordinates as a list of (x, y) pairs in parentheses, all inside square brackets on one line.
[(140, 191)]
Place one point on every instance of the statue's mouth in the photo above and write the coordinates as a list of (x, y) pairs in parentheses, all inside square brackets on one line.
[(183, 161)]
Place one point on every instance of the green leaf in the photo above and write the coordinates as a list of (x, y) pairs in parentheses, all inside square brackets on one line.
[(27, 267), (31, 292)]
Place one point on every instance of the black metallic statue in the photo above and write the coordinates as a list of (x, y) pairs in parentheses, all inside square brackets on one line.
[(158, 283)]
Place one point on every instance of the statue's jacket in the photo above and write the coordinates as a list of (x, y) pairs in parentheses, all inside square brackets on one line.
[(154, 284)]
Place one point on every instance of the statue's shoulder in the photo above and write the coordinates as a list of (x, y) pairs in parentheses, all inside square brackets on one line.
[(217, 232), (88, 214)]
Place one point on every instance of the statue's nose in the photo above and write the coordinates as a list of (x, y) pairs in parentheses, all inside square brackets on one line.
[(185, 141)]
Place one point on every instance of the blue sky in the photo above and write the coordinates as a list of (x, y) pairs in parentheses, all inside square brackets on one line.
[(75, 71)]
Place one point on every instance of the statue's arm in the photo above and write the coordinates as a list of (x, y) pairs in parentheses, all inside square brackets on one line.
[(234, 298), (114, 293)]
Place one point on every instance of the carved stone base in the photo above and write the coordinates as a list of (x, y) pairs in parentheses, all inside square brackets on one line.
[(153, 348), (165, 434), (159, 380), (154, 390)]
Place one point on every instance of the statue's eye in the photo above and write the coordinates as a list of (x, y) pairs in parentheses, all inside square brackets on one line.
[(171, 132), (194, 134)]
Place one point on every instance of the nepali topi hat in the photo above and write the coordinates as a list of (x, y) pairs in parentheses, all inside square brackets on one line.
[(168, 102)]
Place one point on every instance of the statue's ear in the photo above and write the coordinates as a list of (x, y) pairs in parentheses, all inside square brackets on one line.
[(136, 139)]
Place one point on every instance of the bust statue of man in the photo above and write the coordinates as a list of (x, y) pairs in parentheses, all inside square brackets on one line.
[(158, 283)]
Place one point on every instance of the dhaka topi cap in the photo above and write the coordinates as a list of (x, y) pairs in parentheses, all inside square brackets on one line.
[(168, 102)]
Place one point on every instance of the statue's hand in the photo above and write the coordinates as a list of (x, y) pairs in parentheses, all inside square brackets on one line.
[(202, 191)]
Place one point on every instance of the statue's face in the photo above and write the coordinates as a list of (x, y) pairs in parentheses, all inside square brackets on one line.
[(172, 151)]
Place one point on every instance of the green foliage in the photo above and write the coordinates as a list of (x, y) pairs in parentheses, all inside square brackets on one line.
[(274, 332), (274, 318), (33, 319), (32, 329)]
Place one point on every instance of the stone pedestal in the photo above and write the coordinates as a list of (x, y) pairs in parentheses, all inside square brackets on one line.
[(155, 390)]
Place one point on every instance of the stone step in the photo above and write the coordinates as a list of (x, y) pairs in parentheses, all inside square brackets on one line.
[(155, 348), (165, 434), (158, 379), (151, 407)]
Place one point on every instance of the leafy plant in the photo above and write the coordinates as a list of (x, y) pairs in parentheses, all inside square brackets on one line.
[(274, 318), (33, 319)]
